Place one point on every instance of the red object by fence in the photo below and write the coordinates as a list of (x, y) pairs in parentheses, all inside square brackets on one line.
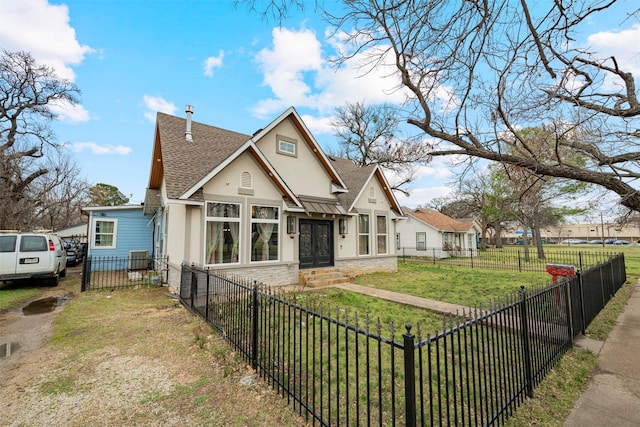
[(561, 270)]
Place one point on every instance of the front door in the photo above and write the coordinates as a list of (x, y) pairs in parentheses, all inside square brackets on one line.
[(316, 243)]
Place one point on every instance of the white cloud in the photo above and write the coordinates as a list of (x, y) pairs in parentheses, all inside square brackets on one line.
[(423, 195), (101, 149), (213, 62), (623, 45), (69, 113), (317, 125), (296, 70), (44, 30), (154, 104)]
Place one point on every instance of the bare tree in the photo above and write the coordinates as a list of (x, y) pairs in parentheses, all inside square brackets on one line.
[(370, 134), (28, 92), (475, 71)]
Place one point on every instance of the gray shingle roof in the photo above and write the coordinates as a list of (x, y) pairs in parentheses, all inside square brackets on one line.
[(355, 177), (186, 162)]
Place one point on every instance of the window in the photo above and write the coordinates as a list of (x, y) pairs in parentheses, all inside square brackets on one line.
[(8, 243), (33, 244), (398, 247), (381, 233), (363, 234), (264, 233), (222, 240), (421, 241), (104, 236), (287, 146)]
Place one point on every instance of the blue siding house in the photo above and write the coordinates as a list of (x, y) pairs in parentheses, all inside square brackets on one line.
[(119, 231)]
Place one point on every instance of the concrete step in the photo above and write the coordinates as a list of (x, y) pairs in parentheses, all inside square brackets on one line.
[(320, 277), (320, 283)]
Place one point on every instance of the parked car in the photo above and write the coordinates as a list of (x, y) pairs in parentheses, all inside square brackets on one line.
[(573, 242), (621, 242), (595, 242), (75, 251), (32, 256), (610, 241)]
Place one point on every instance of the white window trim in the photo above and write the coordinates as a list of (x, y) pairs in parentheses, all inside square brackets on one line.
[(222, 219), (385, 234), (368, 234), (94, 234), (421, 233), (286, 140), (266, 221)]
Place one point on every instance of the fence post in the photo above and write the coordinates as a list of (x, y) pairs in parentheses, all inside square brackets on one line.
[(86, 273), (254, 330), (434, 256), (519, 262), (409, 377), (471, 256), (581, 290), (567, 298), (580, 260), (206, 303), (194, 284), (526, 349)]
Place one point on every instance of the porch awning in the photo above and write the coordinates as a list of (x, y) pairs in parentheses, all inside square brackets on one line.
[(322, 206)]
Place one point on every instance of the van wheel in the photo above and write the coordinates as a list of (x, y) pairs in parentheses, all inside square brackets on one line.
[(54, 281), (63, 273)]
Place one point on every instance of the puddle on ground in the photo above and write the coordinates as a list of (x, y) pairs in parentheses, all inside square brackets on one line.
[(7, 349), (44, 305)]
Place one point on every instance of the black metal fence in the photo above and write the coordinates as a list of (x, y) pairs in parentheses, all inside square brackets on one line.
[(504, 259), (340, 369), (110, 272)]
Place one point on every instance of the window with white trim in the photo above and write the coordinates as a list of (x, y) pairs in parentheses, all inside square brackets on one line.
[(287, 146), (222, 239), (364, 233), (381, 233), (265, 221), (421, 241), (104, 233)]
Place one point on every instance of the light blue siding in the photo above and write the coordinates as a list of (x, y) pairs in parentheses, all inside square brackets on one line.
[(134, 232)]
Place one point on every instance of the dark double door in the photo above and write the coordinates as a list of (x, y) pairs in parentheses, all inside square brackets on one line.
[(316, 243)]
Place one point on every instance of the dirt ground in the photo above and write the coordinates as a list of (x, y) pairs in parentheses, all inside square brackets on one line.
[(127, 362)]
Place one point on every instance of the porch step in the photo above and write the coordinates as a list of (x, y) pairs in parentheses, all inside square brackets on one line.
[(317, 278)]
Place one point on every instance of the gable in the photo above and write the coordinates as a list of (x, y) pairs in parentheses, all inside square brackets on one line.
[(304, 170), (183, 163), (244, 176)]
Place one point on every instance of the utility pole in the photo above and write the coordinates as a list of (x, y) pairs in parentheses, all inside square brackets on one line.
[(602, 226)]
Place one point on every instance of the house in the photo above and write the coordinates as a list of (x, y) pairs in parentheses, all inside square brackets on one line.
[(119, 231), (78, 231), (427, 232), (266, 206)]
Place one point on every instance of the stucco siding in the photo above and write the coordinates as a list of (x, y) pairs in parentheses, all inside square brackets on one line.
[(302, 172)]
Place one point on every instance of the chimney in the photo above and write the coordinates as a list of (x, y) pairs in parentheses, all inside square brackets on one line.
[(187, 134)]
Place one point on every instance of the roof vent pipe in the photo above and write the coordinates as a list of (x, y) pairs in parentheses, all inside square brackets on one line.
[(187, 134)]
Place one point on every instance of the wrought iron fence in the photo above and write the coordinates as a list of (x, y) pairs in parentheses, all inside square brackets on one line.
[(337, 369), (111, 272), (504, 259)]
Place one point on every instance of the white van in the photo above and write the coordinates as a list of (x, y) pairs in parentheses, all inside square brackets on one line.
[(32, 256)]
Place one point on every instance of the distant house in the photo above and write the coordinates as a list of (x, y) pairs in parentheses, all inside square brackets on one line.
[(266, 206), (427, 232), (119, 231), (78, 231)]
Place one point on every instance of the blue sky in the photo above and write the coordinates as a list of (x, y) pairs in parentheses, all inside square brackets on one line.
[(133, 58)]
